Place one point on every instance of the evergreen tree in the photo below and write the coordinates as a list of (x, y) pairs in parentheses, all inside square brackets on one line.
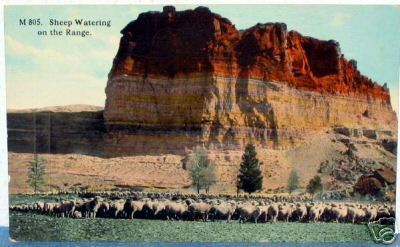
[(36, 173), (315, 185), (202, 170), (250, 178), (293, 182)]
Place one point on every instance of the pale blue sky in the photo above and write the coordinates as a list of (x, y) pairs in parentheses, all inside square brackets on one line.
[(47, 71)]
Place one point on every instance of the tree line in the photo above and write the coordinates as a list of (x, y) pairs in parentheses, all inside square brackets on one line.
[(249, 179)]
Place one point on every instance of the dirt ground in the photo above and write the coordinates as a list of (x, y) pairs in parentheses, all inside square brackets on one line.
[(76, 171), (69, 171)]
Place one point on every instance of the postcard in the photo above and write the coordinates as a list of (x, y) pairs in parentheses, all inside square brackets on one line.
[(202, 123)]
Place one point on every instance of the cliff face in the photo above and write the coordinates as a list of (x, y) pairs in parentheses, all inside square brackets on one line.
[(56, 132), (194, 78), (197, 42)]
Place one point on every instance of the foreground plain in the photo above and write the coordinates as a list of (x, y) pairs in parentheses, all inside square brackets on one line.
[(33, 227)]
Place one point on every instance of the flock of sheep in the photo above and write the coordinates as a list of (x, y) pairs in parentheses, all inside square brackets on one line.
[(255, 210)]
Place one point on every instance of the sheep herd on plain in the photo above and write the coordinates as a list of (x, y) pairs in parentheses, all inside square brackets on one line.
[(211, 209)]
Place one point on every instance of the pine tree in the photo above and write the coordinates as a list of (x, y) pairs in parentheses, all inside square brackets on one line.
[(315, 185), (202, 170), (250, 178), (293, 182), (36, 173)]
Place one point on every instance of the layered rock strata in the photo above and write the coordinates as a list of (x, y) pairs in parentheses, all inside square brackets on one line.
[(188, 78)]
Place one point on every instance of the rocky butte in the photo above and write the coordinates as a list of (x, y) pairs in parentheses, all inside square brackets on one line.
[(186, 78)]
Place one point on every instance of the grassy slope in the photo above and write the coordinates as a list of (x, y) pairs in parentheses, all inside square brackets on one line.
[(44, 228)]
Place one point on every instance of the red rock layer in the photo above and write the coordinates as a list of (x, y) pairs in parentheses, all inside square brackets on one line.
[(198, 42)]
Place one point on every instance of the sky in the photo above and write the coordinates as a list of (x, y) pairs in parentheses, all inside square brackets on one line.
[(49, 70)]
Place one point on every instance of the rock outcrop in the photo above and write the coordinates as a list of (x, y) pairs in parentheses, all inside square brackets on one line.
[(188, 78), (373, 183), (46, 131), (197, 42)]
